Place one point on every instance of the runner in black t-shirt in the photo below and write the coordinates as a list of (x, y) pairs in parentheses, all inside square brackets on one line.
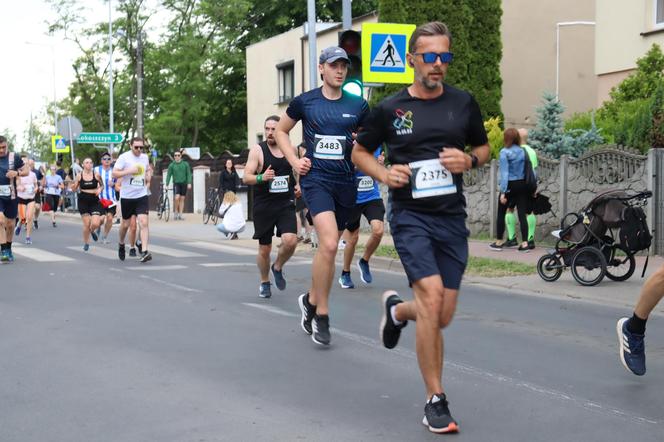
[(330, 117), (274, 206), (426, 128)]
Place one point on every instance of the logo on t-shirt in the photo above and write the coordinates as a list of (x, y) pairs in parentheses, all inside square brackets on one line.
[(403, 122)]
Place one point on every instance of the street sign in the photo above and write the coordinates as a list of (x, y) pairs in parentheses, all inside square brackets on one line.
[(384, 47), (154, 153), (70, 127), (58, 145), (99, 137)]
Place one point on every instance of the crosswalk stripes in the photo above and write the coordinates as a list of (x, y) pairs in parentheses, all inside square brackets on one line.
[(37, 254), (97, 251), (219, 248), (175, 253)]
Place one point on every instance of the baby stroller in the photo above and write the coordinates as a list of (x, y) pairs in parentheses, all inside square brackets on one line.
[(587, 241)]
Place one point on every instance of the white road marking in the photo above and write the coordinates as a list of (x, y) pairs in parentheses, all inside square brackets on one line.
[(228, 264), (511, 383), (38, 255), (219, 248), (152, 268), (98, 251), (176, 253), (271, 309), (172, 285)]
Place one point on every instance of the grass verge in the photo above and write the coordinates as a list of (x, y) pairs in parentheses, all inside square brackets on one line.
[(477, 266)]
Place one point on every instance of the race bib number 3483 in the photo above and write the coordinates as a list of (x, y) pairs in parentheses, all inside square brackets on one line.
[(329, 147), (430, 178)]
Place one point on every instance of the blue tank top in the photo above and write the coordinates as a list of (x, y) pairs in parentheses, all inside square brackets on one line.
[(367, 187), (328, 127)]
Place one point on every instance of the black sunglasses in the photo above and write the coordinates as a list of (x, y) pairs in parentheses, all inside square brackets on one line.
[(138, 147)]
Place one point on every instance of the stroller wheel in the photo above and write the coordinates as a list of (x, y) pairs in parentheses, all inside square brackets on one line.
[(549, 267), (621, 265), (588, 266)]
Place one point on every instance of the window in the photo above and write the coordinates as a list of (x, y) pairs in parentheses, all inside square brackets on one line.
[(286, 81), (659, 12)]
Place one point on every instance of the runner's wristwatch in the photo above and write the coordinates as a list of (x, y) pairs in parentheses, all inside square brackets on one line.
[(474, 161)]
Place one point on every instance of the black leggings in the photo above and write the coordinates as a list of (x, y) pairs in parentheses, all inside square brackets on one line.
[(517, 196)]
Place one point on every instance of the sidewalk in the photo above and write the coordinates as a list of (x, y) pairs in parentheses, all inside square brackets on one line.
[(618, 294)]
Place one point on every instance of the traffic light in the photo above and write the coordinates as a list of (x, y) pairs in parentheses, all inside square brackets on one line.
[(351, 42)]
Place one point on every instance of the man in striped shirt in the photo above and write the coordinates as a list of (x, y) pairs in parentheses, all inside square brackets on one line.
[(107, 195)]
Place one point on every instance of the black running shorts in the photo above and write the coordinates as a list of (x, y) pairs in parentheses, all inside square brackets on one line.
[(267, 218), (372, 210)]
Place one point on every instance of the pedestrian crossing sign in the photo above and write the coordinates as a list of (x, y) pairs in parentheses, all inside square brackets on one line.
[(58, 144), (385, 46)]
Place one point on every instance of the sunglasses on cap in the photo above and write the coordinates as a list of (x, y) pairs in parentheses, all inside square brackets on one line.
[(430, 57)]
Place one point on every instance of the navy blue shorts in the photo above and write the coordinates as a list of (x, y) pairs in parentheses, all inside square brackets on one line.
[(430, 244), (323, 196), (9, 207)]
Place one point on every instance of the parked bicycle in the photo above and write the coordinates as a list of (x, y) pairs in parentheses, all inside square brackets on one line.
[(212, 204), (164, 204)]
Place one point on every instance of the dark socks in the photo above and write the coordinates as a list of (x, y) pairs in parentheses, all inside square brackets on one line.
[(9, 245), (343, 272), (636, 325), (364, 261), (3, 246)]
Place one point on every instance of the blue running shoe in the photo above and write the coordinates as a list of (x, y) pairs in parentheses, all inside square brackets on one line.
[(279, 279), (10, 255), (265, 291), (86, 247), (345, 282), (17, 230), (365, 273), (632, 348)]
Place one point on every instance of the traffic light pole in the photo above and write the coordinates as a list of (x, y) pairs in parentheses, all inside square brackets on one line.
[(346, 14), (311, 36)]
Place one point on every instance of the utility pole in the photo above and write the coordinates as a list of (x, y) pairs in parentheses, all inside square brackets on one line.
[(139, 84), (346, 15), (110, 72)]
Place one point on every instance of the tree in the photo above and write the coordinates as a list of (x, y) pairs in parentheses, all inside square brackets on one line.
[(548, 136), (475, 29)]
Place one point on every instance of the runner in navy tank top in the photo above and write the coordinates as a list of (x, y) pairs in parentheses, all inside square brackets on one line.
[(330, 118)]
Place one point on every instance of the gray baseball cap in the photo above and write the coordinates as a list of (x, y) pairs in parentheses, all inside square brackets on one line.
[(332, 54)]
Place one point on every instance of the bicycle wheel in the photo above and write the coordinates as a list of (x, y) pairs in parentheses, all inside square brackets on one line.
[(160, 205), (166, 209), (588, 266), (549, 267), (206, 212), (215, 210), (621, 264)]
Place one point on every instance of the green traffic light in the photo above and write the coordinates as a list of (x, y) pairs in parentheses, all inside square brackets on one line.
[(354, 87)]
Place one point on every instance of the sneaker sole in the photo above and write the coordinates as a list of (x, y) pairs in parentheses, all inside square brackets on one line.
[(451, 428), (146, 258), (383, 319), (362, 275), (303, 318), (495, 249), (621, 345)]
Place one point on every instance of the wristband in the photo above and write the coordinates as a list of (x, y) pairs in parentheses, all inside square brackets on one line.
[(259, 178), (474, 161)]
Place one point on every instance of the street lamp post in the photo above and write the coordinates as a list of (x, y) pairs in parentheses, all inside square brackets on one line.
[(110, 75), (558, 26)]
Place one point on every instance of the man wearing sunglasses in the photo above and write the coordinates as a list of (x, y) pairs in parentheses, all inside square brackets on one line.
[(133, 168), (426, 128), (107, 195), (180, 172), (330, 118)]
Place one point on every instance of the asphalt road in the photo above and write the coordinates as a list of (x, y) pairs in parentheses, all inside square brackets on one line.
[(182, 349)]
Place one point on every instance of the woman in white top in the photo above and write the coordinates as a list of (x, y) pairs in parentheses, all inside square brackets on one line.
[(26, 187), (53, 186), (232, 216)]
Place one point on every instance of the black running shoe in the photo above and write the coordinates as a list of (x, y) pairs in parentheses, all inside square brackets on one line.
[(389, 331), (146, 256), (132, 252), (36, 224), (121, 252), (511, 243), (321, 330), (264, 291), (437, 415), (308, 312), (531, 244), (94, 236), (497, 247), (279, 280), (139, 246)]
